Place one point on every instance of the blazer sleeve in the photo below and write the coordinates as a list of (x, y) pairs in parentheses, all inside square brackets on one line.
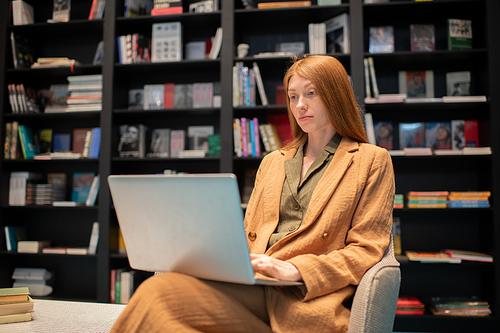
[(366, 239)]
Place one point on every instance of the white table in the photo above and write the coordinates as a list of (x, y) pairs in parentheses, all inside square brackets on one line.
[(67, 317)]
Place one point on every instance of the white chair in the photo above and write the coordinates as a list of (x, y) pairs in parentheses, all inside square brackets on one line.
[(374, 304)]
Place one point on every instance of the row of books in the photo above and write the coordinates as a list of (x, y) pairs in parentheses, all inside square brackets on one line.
[(28, 188), (422, 37), (175, 96), (51, 62), (17, 241), (124, 282), (85, 93), (200, 141), (16, 305), (443, 199), (452, 256), (134, 48), (245, 82), (22, 100), (456, 134), (330, 36), (444, 306), (22, 141)]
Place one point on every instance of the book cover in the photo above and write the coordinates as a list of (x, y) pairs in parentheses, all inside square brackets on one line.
[(283, 4), (16, 308), (15, 318), (58, 98), (132, 141), (384, 134), (13, 235), (396, 234), (168, 100), (154, 96), (94, 190), (22, 13), (458, 83), (82, 182), (423, 37), (78, 139), (438, 135), (457, 134), (137, 8), (61, 10), (23, 51), (280, 94), (183, 96), (471, 133), (459, 34), (337, 34), (177, 142), (281, 124), (198, 137), (417, 84), (95, 144), (411, 135), (166, 42), (27, 142), (260, 85), (136, 99), (160, 143), (381, 39)]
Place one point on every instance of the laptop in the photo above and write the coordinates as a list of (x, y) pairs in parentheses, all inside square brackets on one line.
[(190, 224)]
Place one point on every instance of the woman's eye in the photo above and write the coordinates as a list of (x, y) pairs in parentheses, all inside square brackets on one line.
[(312, 93)]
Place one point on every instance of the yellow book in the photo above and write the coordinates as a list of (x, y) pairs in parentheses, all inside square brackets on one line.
[(16, 307), (440, 205), (14, 318), (282, 4), (8, 295)]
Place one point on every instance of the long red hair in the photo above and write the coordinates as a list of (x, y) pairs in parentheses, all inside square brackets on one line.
[(335, 90)]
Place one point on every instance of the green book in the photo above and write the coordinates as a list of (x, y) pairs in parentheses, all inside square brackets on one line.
[(459, 34)]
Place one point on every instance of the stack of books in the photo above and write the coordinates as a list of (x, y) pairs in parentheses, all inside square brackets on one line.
[(478, 199), (16, 305), (55, 62), (409, 305), (399, 201), (459, 306), (85, 93), (429, 199), (432, 257)]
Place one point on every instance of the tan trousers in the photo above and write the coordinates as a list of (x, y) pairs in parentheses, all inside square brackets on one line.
[(174, 302)]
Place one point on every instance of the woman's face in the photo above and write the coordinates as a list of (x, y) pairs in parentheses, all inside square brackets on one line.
[(306, 105)]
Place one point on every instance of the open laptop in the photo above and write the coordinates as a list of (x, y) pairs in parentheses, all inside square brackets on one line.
[(190, 224)]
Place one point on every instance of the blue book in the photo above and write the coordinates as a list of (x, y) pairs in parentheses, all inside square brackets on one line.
[(252, 138), (82, 182), (61, 142), (14, 234), (27, 142), (95, 145)]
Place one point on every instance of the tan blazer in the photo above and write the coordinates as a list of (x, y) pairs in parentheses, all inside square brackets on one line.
[(345, 231)]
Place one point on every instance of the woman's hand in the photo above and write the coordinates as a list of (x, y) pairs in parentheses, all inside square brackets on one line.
[(275, 268)]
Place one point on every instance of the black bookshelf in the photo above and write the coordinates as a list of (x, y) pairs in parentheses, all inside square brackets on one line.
[(477, 229)]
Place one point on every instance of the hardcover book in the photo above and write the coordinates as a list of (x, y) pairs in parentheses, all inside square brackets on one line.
[(458, 83), (459, 34), (411, 135), (438, 135), (160, 143), (136, 99), (422, 37), (166, 42), (417, 84), (337, 34), (61, 10), (137, 8), (381, 39), (132, 141), (82, 182)]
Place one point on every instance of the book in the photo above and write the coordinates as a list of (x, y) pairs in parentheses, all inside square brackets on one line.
[(459, 34), (26, 138), (216, 45), (14, 234), (198, 137), (417, 84), (160, 143), (61, 10), (154, 96), (260, 84), (431, 257), (373, 78), (396, 234), (11, 295), (195, 50), (58, 98), (18, 183), (95, 144), (422, 37), (136, 99), (337, 34), (381, 39), (417, 151), (370, 130), (384, 134), (464, 133), (23, 51), (281, 129), (368, 89), (464, 99), (438, 135), (17, 307), (32, 246), (132, 141), (166, 42), (22, 13), (283, 4), (77, 250), (458, 83), (409, 305), (79, 138), (469, 255), (82, 182), (183, 96), (206, 6), (15, 318), (411, 135), (459, 306), (177, 142), (94, 238), (94, 189)]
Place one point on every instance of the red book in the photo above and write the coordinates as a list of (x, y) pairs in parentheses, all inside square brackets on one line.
[(282, 124), (79, 135), (169, 96), (166, 11), (280, 94), (112, 289), (471, 133)]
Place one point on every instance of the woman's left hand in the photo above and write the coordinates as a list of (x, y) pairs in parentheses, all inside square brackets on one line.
[(275, 268)]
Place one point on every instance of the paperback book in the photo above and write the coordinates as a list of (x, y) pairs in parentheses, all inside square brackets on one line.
[(381, 39)]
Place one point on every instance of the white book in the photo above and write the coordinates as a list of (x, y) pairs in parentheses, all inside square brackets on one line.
[(370, 132), (216, 45), (94, 238), (260, 84), (373, 77), (337, 34), (310, 30), (22, 13), (464, 99), (166, 42), (94, 189), (368, 91), (125, 287)]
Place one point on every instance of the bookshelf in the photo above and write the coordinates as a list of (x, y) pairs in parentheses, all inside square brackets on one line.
[(423, 229)]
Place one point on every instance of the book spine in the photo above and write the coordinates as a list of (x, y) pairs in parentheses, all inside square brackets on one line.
[(86, 144), (265, 140), (256, 136), (243, 122), (373, 77)]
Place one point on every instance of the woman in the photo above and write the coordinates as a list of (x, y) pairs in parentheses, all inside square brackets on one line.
[(320, 213)]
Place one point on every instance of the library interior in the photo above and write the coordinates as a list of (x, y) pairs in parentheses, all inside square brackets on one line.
[(170, 88)]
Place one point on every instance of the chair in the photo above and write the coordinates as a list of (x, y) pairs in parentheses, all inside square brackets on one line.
[(374, 304)]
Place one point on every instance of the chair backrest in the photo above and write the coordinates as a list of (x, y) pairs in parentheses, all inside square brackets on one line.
[(374, 304)]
